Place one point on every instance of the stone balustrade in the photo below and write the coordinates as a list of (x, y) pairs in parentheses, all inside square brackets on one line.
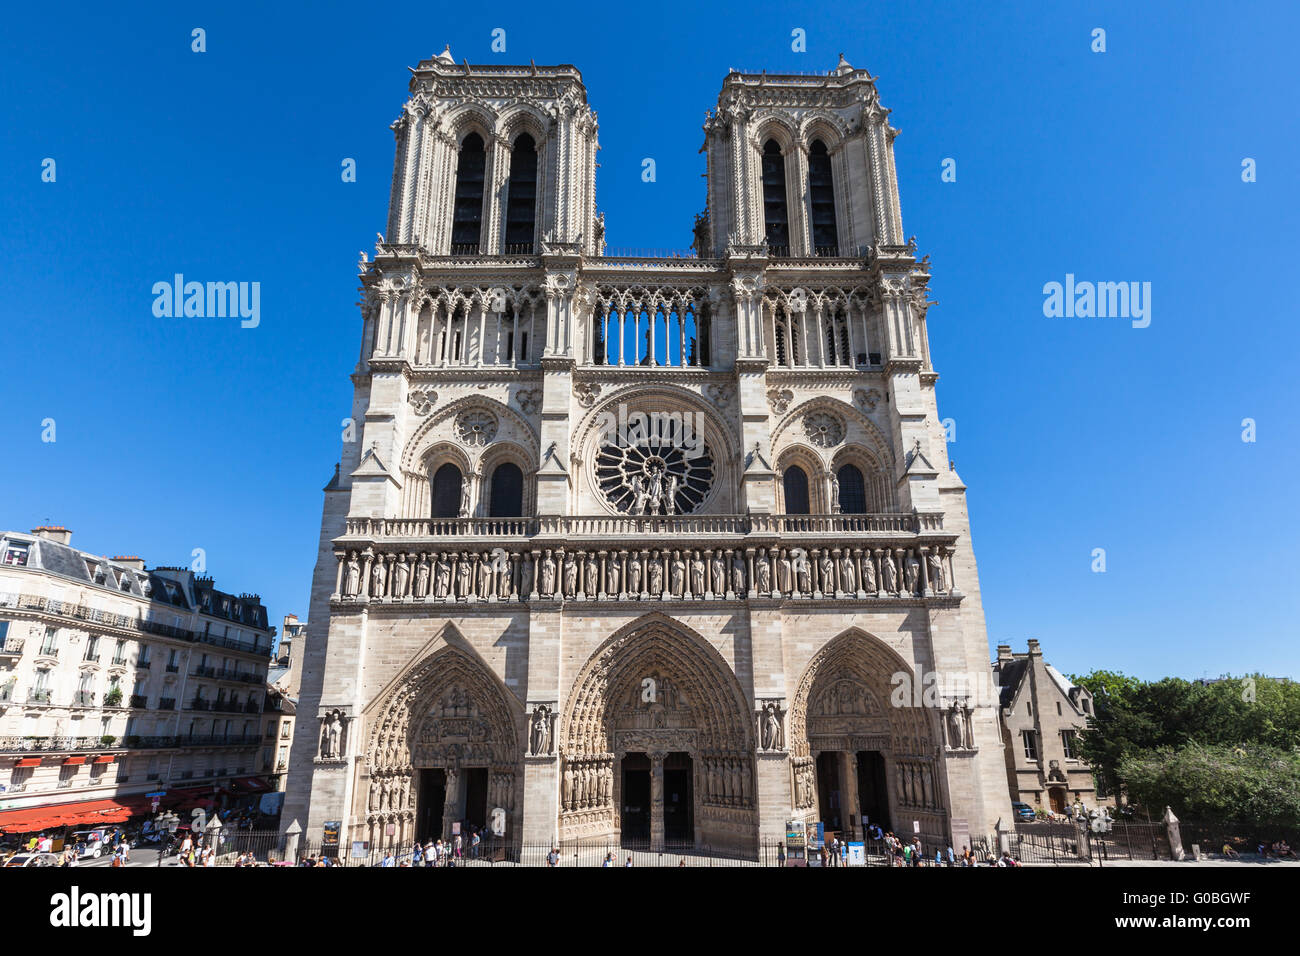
[(690, 526)]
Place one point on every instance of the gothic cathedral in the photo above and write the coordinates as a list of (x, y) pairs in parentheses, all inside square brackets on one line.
[(638, 548)]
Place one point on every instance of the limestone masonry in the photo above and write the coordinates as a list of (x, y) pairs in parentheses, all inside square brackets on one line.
[(657, 549)]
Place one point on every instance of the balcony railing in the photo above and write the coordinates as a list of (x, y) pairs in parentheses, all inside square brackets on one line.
[(197, 704), (52, 744), (173, 668), (49, 650), (81, 612), (654, 526), (12, 647), (119, 661), (91, 657), (139, 701), (166, 703), (39, 695), (84, 698), (143, 665)]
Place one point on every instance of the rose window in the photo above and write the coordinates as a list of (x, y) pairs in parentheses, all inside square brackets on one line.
[(656, 477), (824, 429)]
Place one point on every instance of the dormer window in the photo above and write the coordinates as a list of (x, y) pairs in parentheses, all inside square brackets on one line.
[(16, 555)]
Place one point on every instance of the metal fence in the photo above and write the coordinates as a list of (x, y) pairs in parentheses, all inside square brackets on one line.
[(1071, 843), (274, 848)]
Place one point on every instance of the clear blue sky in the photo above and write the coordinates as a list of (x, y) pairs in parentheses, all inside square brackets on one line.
[(1072, 434)]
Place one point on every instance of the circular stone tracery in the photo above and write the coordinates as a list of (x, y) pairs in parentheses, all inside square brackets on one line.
[(657, 476)]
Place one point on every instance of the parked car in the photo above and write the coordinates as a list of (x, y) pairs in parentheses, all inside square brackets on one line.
[(1024, 812), (33, 859)]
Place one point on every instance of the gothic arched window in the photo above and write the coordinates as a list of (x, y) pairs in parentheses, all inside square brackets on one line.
[(776, 217), (507, 500), (821, 192), (795, 481), (467, 213), (521, 197), (853, 490), (446, 491)]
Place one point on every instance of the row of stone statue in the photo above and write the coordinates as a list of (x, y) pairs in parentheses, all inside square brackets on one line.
[(390, 791), (725, 782), (721, 573), (587, 783), (916, 785)]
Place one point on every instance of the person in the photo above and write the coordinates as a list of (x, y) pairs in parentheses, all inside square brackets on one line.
[(608, 861), (430, 855), (780, 854), (681, 862), (458, 845), (1284, 849), (474, 841), (628, 863), (126, 851), (553, 858), (967, 857), (952, 859), (388, 860), (417, 855)]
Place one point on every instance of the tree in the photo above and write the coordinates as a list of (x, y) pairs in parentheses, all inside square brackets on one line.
[(1218, 782)]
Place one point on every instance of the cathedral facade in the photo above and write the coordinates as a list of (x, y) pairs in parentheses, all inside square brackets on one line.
[(637, 547)]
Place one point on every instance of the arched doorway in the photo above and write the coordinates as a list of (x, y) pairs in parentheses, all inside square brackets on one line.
[(443, 750), (855, 755), (659, 745)]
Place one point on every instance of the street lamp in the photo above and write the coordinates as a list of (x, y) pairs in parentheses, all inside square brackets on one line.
[(166, 824)]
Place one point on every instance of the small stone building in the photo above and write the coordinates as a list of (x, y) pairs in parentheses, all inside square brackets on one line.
[(1043, 713)]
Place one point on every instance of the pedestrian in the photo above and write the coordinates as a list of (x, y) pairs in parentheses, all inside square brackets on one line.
[(951, 858), (458, 846), (417, 855), (388, 860), (430, 854), (609, 860), (473, 845), (628, 863), (553, 858)]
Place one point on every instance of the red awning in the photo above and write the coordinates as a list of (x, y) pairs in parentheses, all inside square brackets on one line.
[(251, 784), (74, 761), (28, 762), (105, 758), (87, 813)]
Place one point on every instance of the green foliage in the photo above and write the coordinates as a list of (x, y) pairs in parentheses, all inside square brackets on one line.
[(1149, 736), (1218, 782)]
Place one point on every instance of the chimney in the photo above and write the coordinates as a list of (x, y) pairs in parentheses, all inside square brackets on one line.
[(1004, 652), (130, 561), (1034, 649), (56, 533)]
